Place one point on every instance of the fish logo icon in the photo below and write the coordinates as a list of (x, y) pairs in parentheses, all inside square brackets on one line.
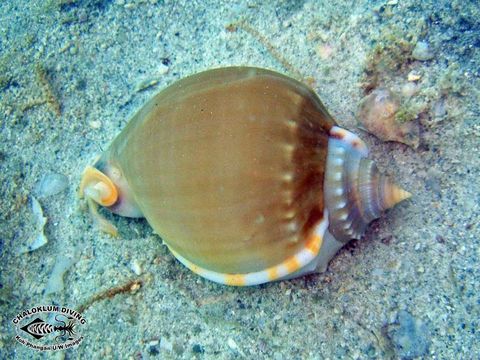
[(39, 328)]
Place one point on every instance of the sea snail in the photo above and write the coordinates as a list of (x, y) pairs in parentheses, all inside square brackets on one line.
[(244, 175)]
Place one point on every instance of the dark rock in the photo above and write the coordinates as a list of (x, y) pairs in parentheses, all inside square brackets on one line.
[(410, 336), (198, 349)]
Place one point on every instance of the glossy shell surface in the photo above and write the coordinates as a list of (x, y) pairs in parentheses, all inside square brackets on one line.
[(228, 166), (244, 175)]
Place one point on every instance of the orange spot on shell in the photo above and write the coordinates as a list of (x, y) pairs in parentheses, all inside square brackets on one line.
[(355, 144), (338, 134), (272, 273), (313, 244), (292, 264), (235, 279)]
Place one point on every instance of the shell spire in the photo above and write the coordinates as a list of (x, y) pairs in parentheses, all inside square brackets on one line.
[(393, 194), (355, 191), (376, 192)]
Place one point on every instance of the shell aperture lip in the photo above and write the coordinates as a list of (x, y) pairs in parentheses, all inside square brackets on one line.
[(98, 187), (99, 190), (294, 264)]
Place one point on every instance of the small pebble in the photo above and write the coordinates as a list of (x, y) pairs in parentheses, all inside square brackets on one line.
[(51, 184), (163, 69), (232, 344), (377, 113), (413, 77), (422, 51), (136, 267), (95, 124), (39, 238), (135, 287), (153, 343)]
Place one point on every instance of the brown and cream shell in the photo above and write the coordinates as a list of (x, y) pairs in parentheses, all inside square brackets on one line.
[(244, 175)]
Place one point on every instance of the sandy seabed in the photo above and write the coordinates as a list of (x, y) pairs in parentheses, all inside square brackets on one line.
[(72, 72)]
